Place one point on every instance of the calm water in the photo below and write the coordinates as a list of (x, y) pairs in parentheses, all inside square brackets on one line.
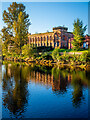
[(30, 91)]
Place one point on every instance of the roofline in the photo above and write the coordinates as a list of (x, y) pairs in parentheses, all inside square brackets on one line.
[(60, 27), (40, 33)]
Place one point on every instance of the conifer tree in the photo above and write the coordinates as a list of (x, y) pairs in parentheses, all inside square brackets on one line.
[(78, 33)]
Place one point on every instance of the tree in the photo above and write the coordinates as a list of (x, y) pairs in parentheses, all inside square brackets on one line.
[(20, 29), (17, 23), (25, 50), (78, 33)]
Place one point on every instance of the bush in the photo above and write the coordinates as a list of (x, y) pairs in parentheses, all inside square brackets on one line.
[(56, 54), (29, 51), (85, 57), (46, 56)]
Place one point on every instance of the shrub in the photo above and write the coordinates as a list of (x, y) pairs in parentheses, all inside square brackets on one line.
[(46, 56), (65, 57), (85, 57), (56, 54)]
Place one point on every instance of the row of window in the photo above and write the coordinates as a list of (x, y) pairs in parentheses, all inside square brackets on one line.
[(43, 44), (42, 38)]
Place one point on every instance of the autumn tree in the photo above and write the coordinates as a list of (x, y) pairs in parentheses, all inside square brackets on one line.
[(78, 33), (17, 23)]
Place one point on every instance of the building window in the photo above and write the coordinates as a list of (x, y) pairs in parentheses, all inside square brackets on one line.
[(68, 38), (57, 44), (47, 37), (63, 38), (44, 38), (38, 38), (47, 43), (61, 45), (54, 44), (57, 37), (84, 44)]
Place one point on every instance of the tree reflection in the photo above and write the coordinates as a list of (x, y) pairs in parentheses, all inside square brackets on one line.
[(77, 78), (78, 81), (15, 88), (16, 78)]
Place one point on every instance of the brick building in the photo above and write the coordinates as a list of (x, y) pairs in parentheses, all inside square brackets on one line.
[(58, 38)]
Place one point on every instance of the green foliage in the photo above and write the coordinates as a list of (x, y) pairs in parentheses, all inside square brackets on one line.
[(25, 50), (16, 30), (64, 58), (78, 33), (46, 56), (20, 31), (32, 52), (56, 72), (85, 57), (56, 54), (74, 57), (4, 50), (29, 51)]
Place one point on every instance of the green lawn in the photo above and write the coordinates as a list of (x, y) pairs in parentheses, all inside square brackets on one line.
[(70, 50)]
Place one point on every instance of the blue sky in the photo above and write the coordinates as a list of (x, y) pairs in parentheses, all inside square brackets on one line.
[(46, 15)]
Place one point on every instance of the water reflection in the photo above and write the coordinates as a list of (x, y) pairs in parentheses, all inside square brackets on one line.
[(16, 78), (15, 88)]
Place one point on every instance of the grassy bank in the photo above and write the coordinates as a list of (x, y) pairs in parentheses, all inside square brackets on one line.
[(54, 57), (49, 56)]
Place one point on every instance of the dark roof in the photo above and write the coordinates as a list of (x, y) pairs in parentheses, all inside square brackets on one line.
[(70, 32), (60, 27)]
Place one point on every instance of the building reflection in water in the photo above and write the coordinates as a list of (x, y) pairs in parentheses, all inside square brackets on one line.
[(17, 77)]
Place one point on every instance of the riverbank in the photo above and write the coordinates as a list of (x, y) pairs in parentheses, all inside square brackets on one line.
[(55, 57), (49, 63)]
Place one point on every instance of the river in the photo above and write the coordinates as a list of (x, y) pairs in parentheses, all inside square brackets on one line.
[(34, 91)]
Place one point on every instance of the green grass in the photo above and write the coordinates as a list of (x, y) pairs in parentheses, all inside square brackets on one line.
[(70, 50)]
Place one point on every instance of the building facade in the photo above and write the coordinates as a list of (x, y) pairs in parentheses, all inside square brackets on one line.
[(58, 38), (86, 43)]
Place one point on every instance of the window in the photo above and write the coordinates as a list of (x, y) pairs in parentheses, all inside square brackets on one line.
[(84, 44), (57, 44), (54, 44), (50, 37), (50, 44), (63, 38), (47, 37)]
